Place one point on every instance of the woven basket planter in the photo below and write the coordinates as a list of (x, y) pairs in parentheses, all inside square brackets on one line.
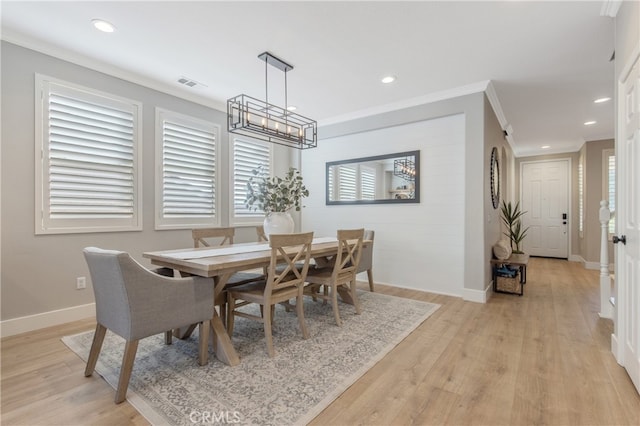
[(509, 285)]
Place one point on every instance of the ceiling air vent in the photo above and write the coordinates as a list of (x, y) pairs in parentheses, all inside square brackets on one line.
[(190, 82)]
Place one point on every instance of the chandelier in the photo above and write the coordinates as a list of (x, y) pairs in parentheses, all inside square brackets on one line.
[(405, 169), (261, 120)]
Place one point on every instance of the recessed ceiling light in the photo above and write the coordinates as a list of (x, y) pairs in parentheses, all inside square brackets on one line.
[(601, 100), (103, 25), (545, 146), (589, 123), (388, 79), (291, 108)]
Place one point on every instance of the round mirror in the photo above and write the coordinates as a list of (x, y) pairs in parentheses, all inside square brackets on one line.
[(495, 178)]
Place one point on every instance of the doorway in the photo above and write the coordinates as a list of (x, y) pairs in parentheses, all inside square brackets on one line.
[(544, 195)]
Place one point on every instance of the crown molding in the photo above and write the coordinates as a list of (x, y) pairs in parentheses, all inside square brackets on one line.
[(407, 103), (610, 8), (100, 66)]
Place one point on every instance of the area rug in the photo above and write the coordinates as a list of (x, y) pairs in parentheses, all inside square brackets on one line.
[(169, 388)]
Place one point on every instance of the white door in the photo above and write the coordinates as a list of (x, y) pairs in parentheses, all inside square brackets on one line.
[(545, 199), (625, 342)]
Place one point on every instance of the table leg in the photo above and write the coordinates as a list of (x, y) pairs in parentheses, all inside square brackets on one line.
[(221, 341)]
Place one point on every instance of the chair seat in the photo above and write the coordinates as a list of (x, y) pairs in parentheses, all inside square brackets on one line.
[(255, 291), (240, 278)]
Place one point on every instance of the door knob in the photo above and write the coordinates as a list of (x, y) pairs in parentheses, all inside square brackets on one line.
[(622, 239)]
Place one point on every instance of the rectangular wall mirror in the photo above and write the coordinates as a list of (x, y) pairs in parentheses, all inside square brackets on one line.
[(381, 179)]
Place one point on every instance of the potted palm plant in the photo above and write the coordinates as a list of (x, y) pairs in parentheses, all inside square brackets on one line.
[(512, 218), (276, 197)]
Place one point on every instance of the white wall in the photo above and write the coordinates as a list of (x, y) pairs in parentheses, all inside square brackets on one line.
[(417, 246)]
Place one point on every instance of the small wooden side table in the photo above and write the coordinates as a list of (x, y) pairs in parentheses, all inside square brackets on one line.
[(520, 260)]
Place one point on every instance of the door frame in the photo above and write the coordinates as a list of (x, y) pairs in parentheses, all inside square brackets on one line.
[(569, 192)]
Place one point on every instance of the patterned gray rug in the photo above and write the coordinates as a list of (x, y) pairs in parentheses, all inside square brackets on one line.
[(168, 387)]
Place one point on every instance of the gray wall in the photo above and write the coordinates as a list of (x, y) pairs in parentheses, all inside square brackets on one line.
[(481, 132), (38, 273)]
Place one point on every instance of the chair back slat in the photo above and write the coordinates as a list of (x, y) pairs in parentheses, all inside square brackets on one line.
[(286, 251), (201, 235), (349, 252)]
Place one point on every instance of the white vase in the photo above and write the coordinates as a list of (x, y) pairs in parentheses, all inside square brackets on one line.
[(278, 223)]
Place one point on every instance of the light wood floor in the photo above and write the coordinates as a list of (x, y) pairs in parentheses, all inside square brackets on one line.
[(539, 359)]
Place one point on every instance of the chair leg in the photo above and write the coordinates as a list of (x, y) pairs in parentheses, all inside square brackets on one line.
[(334, 304), (300, 312), (168, 337), (203, 352), (266, 318), (370, 276), (98, 338), (231, 307), (356, 303), (129, 356)]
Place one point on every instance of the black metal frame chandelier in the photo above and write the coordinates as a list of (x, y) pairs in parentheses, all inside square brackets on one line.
[(404, 168), (261, 120)]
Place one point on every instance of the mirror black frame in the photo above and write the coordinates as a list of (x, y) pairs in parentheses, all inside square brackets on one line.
[(494, 167), (415, 154)]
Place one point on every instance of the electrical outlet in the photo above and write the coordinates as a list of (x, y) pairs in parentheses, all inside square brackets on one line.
[(81, 283)]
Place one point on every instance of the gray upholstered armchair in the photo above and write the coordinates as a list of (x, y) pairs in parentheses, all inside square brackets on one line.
[(366, 259), (135, 303)]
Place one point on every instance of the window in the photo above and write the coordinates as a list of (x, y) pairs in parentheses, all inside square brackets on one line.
[(186, 155), (367, 183), (609, 184), (347, 183), (248, 155), (352, 182), (88, 177)]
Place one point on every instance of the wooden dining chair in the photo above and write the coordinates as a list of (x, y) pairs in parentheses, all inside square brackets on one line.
[(200, 236), (342, 273), (281, 285), (135, 303)]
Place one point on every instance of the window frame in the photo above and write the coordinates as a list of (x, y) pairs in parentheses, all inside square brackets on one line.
[(44, 223), (162, 223), (257, 218)]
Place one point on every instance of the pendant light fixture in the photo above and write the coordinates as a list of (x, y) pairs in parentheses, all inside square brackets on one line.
[(405, 169), (261, 120)]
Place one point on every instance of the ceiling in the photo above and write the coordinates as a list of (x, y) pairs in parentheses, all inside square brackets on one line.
[(547, 61)]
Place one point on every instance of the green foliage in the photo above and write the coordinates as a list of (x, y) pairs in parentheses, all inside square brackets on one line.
[(275, 194), (512, 218)]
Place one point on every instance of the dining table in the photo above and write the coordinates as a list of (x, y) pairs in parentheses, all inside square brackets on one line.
[(220, 263)]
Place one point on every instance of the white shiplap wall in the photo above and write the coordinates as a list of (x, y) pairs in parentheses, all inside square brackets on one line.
[(418, 246)]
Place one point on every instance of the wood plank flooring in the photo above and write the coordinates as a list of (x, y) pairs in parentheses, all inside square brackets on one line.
[(540, 359)]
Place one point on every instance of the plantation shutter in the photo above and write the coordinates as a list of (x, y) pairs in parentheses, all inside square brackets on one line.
[(248, 155), (347, 183), (88, 181), (367, 183), (189, 172), (611, 188)]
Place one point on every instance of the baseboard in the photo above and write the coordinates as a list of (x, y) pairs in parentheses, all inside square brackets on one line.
[(596, 266), (614, 348), (15, 326), (478, 296), (588, 265), (576, 258), (365, 284)]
